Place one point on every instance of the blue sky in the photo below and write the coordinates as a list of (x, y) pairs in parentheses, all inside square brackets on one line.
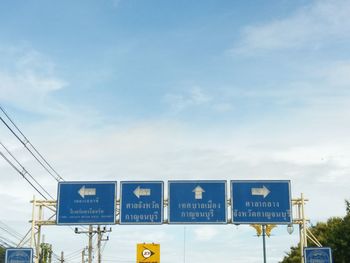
[(170, 90)]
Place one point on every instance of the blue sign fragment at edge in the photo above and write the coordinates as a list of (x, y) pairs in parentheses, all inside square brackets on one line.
[(89, 202), (19, 255), (261, 202), (141, 202), (318, 255), (197, 202)]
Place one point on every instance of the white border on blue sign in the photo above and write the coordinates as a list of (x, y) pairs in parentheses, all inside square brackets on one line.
[(162, 202), (87, 182), (197, 181), (267, 222), (319, 248), (19, 249)]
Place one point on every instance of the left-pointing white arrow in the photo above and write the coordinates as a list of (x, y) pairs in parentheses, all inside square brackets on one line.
[(86, 191), (142, 192), (261, 191)]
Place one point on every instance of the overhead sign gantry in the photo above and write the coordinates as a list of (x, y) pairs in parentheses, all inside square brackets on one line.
[(189, 202)]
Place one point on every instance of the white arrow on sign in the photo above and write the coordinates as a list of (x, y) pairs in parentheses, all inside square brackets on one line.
[(146, 253), (261, 191), (198, 192), (142, 192), (86, 191)]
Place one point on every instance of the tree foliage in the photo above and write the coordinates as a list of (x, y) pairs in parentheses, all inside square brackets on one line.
[(2, 254), (335, 233), (293, 256)]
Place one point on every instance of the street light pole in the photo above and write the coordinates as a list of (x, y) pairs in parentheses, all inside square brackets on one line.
[(264, 241)]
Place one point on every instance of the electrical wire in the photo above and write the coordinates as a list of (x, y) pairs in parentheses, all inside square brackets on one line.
[(103, 247), (24, 143), (57, 257), (24, 171), (22, 174), (118, 260), (7, 242), (38, 157), (73, 255), (10, 230)]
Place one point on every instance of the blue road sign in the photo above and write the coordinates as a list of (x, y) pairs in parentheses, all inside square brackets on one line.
[(19, 255), (81, 203), (261, 202), (318, 255), (141, 202), (197, 202)]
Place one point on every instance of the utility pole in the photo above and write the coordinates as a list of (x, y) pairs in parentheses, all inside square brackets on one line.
[(100, 233), (62, 257), (91, 233), (301, 220), (90, 244), (99, 237), (83, 256)]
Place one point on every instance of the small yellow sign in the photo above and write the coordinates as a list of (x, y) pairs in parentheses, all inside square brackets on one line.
[(148, 253)]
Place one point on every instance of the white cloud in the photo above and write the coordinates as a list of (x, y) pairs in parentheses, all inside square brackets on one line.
[(316, 88), (194, 97), (223, 107), (27, 79), (337, 75), (311, 26)]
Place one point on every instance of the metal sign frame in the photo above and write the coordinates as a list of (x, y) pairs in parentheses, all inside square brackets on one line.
[(87, 192), (197, 182), (9, 250), (145, 194), (260, 192)]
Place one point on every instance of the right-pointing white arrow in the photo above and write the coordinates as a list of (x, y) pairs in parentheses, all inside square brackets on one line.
[(261, 191)]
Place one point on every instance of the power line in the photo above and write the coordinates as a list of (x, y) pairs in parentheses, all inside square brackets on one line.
[(22, 174), (9, 229), (73, 255), (8, 232), (38, 157), (7, 242), (25, 141), (24, 171)]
